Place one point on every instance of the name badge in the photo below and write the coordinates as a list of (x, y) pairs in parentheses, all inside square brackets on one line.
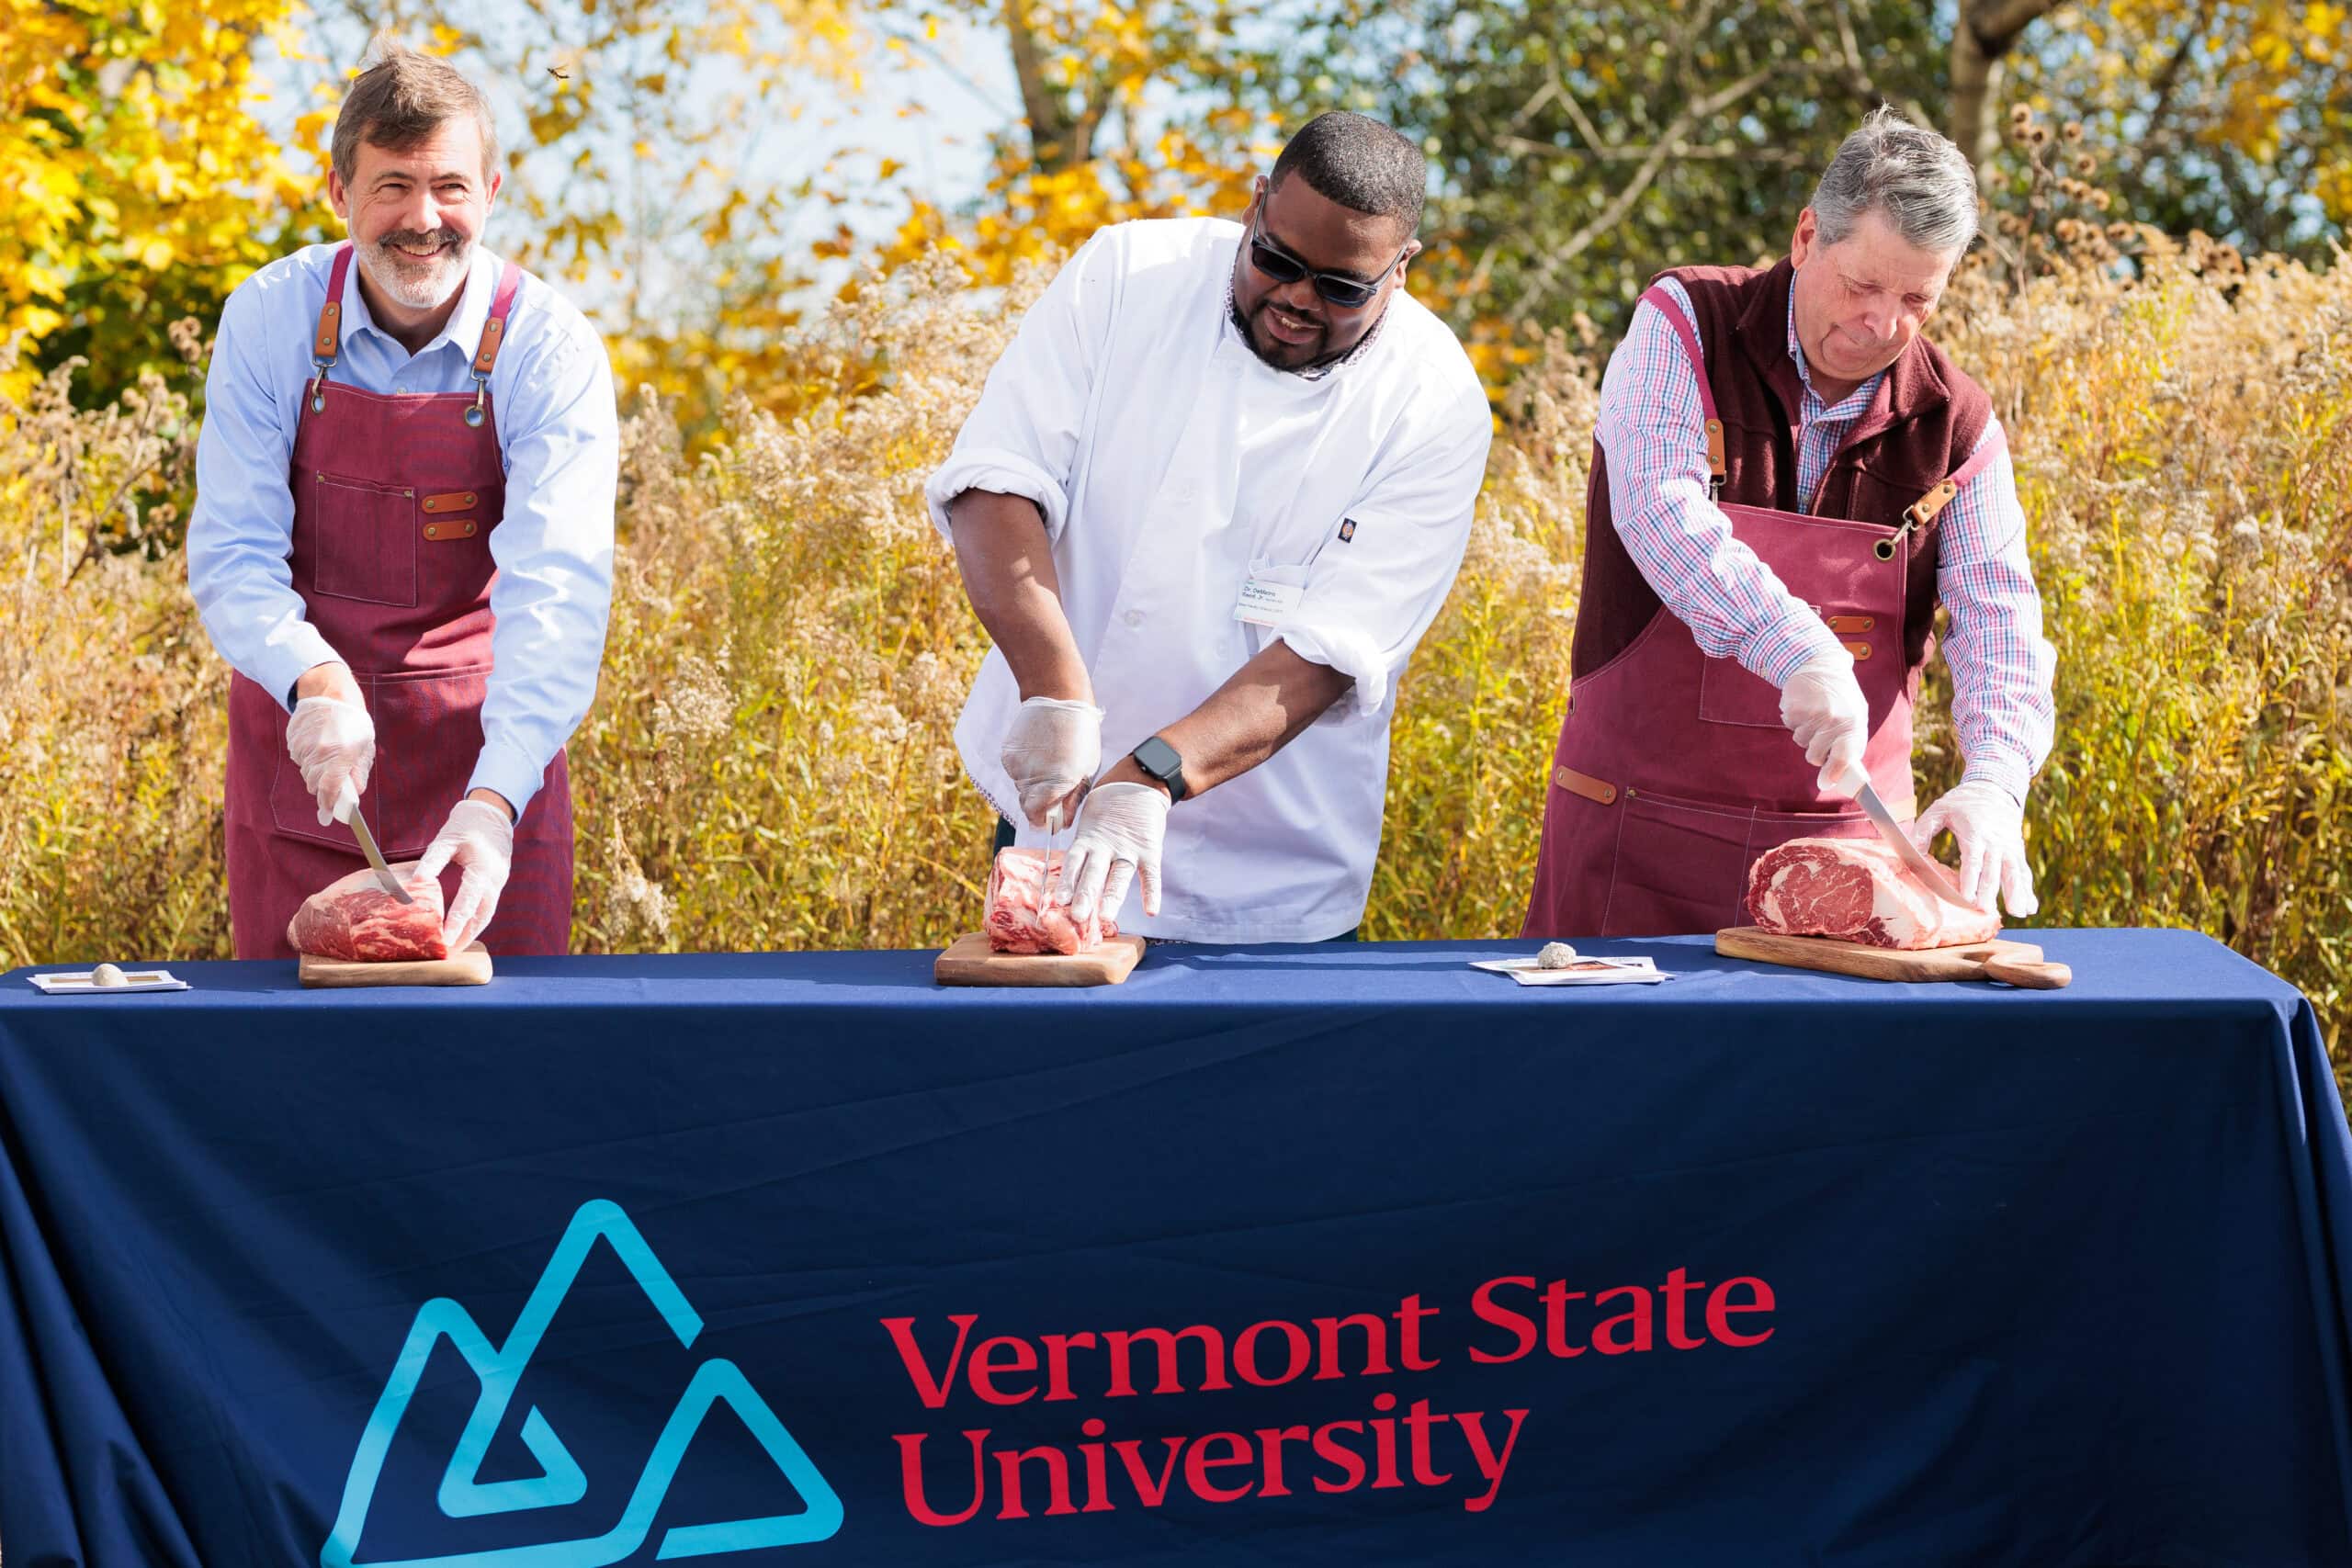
[(1264, 604)]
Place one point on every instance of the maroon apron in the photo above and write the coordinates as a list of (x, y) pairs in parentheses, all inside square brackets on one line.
[(1674, 772), (394, 500)]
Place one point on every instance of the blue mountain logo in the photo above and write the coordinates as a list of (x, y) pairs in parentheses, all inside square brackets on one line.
[(560, 1480)]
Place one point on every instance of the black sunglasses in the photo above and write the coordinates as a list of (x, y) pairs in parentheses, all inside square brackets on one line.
[(1348, 293)]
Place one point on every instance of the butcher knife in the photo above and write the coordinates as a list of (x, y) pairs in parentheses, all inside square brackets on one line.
[(346, 806), (1053, 871), (1857, 783)]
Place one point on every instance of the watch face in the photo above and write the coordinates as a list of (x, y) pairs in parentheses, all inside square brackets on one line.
[(1160, 760)]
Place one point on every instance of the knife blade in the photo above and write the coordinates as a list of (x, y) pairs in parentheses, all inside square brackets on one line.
[(1858, 784), (348, 807), (1053, 871)]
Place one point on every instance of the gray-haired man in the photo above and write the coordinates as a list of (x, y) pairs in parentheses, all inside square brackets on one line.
[(1787, 479)]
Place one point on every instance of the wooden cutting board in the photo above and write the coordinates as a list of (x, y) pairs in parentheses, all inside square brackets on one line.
[(470, 968), (967, 960), (2018, 963)]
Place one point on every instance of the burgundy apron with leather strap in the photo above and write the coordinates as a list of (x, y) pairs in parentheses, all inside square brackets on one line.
[(1674, 772), (394, 500)]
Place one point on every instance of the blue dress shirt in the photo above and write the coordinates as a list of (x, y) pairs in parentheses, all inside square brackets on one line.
[(558, 439)]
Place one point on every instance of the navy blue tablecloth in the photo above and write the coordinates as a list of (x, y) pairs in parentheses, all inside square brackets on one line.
[(1321, 1255)]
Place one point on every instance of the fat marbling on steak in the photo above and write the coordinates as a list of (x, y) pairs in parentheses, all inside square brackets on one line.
[(1856, 890), (353, 918), (1019, 920)]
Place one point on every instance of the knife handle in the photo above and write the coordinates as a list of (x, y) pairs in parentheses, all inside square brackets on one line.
[(2030, 974), (347, 803)]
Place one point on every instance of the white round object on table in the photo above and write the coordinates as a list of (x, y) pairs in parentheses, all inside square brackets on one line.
[(1555, 956), (107, 975)]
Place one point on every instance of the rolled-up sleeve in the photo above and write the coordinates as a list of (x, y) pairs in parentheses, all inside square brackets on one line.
[(241, 531), (1022, 438), (554, 551), (1375, 586)]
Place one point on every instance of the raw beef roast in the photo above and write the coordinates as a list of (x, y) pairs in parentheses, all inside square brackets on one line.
[(353, 918), (1856, 890), (1020, 920)]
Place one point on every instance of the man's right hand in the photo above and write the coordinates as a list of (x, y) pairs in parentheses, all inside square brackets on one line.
[(1824, 707), (331, 738), (1053, 748)]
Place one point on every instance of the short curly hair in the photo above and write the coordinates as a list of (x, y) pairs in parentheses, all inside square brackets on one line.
[(1360, 163)]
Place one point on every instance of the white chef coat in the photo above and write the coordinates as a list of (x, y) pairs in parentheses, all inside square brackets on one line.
[(1170, 463)]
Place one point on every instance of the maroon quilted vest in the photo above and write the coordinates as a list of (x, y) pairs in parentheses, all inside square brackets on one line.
[(1922, 423)]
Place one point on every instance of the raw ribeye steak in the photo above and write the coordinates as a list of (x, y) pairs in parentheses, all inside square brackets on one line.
[(1856, 890), (353, 918), (1020, 920)]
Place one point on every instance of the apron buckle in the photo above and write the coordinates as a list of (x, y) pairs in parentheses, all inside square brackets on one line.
[(481, 390)]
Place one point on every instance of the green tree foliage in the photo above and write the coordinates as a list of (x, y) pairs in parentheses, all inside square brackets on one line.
[(1584, 148)]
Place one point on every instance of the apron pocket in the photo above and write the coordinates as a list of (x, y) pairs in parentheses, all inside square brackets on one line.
[(363, 541), (1680, 867), (294, 811), (428, 738), (1730, 693)]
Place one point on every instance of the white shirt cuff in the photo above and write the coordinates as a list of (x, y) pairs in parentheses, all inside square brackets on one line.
[(1006, 473), (1349, 651)]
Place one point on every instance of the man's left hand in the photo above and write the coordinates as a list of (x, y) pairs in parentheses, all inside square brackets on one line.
[(480, 837), (1989, 828), (1119, 832)]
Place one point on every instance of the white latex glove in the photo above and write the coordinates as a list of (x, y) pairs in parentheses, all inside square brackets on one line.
[(1824, 707), (1054, 746), (1989, 828), (333, 744), (481, 839), (1119, 835)]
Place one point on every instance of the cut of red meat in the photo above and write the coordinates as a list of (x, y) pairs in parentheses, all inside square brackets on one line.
[(1856, 890), (353, 918), (1020, 920)]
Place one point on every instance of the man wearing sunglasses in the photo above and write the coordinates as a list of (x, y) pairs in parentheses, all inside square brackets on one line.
[(1213, 494)]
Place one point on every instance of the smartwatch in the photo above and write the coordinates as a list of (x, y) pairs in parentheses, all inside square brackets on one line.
[(1160, 760)]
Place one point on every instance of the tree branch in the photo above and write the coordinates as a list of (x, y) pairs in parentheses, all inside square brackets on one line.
[(1718, 150), (2149, 145), (1048, 130), (1667, 146), (1997, 23)]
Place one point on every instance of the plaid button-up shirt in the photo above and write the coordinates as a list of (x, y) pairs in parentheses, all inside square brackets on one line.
[(1652, 428)]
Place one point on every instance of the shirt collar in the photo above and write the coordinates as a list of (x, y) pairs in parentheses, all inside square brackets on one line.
[(1852, 404), (1364, 345), (465, 324)]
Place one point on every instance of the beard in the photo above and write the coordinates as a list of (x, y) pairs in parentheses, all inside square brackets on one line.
[(1276, 354), (419, 283)]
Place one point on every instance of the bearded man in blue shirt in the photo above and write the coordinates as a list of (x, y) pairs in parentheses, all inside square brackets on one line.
[(402, 539)]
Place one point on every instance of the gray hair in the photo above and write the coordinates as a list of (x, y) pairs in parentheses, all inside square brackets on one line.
[(1921, 181)]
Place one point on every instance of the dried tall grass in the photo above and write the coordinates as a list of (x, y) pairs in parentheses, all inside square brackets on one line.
[(768, 764)]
